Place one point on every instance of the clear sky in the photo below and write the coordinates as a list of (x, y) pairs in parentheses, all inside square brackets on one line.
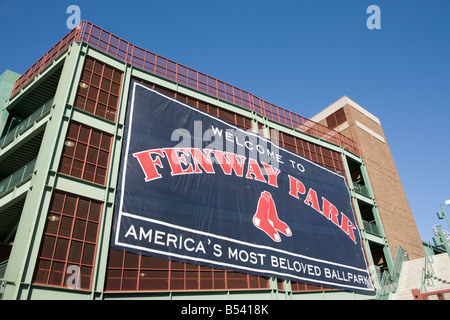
[(300, 55)]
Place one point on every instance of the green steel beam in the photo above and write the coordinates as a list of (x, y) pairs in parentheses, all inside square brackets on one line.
[(24, 252), (7, 80), (99, 278)]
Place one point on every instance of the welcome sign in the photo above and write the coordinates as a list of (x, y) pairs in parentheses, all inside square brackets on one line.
[(196, 189)]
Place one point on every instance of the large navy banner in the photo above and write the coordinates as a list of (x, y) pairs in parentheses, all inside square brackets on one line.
[(196, 189)]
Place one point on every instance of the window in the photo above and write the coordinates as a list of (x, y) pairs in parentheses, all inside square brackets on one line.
[(99, 89), (321, 155), (69, 242), (132, 272), (235, 119), (336, 119), (297, 287), (86, 153)]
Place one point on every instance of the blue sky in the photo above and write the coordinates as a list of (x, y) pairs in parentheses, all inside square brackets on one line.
[(300, 55)]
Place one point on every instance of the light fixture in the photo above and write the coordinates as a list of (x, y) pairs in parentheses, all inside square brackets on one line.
[(69, 143), (83, 85), (53, 218)]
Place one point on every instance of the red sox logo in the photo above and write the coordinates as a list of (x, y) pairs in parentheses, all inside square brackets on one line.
[(266, 218)]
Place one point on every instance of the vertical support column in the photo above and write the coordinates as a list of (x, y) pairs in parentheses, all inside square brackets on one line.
[(7, 81), (386, 251), (4, 115), (357, 210), (364, 237), (350, 185), (104, 237), (366, 179)]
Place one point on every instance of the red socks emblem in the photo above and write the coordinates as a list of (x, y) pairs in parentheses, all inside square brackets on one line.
[(266, 218)]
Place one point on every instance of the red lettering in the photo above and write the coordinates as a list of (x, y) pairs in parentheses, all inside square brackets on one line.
[(230, 161), (311, 200), (148, 164), (177, 158), (202, 160), (255, 170), (330, 211), (272, 173), (347, 226), (296, 187)]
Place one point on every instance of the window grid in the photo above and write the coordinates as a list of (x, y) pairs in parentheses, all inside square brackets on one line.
[(86, 153), (132, 272), (240, 121), (99, 89), (299, 287), (321, 155), (69, 242), (336, 119)]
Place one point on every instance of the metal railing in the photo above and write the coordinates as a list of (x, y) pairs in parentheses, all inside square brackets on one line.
[(43, 62), (143, 59), (362, 190), (435, 295), (427, 274), (17, 177), (389, 279), (372, 228), (428, 277), (26, 124)]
